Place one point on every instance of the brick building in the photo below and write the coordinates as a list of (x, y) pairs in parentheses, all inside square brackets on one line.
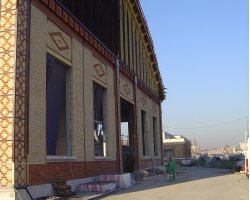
[(80, 91), (176, 146)]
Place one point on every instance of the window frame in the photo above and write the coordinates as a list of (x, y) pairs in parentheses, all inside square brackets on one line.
[(144, 132), (155, 136), (103, 122)]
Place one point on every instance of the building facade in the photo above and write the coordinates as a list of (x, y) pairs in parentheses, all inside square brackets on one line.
[(80, 90), (176, 146), (241, 148)]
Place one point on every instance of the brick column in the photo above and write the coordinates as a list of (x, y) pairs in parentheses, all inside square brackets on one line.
[(21, 103), (7, 82), (118, 115), (13, 95)]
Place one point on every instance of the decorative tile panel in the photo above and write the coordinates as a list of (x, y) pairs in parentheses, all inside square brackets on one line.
[(6, 174), (99, 70), (6, 129), (143, 100), (7, 61), (20, 61), (20, 129), (8, 20), (154, 108), (20, 173), (13, 102), (74, 24), (21, 94), (20, 107), (6, 151), (20, 85), (6, 163), (59, 41), (145, 89), (7, 82), (126, 88), (7, 41), (8, 5), (6, 106)]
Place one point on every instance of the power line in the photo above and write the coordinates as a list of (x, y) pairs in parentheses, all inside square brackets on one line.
[(210, 126)]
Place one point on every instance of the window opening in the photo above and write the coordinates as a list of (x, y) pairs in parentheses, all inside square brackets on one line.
[(99, 126), (168, 153), (125, 133), (143, 118), (155, 137), (57, 108)]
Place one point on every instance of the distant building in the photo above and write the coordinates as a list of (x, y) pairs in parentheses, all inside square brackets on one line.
[(176, 146), (227, 150), (195, 150), (241, 148)]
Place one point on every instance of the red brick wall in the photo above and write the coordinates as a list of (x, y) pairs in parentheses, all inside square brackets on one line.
[(40, 174), (146, 163), (101, 167), (158, 162), (149, 163)]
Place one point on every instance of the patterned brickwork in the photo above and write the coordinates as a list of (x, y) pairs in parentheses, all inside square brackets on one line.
[(8, 20), (99, 70), (7, 40), (6, 61), (126, 88), (58, 41), (21, 93), (143, 100), (154, 108), (72, 22), (7, 79), (7, 5), (148, 91), (6, 84)]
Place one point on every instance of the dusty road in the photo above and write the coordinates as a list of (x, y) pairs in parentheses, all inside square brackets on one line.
[(192, 183)]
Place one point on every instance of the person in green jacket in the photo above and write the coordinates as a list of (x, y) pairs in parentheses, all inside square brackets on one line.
[(171, 169)]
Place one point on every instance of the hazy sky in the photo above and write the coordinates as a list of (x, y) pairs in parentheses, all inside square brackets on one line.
[(202, 52)]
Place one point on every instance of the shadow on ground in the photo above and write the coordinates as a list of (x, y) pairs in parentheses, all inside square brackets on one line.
[(184, 174)]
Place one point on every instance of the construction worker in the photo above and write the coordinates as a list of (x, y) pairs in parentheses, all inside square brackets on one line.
[(171, 169)]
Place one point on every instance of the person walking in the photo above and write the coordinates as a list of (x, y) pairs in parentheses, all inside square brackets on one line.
[(171, 169)]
